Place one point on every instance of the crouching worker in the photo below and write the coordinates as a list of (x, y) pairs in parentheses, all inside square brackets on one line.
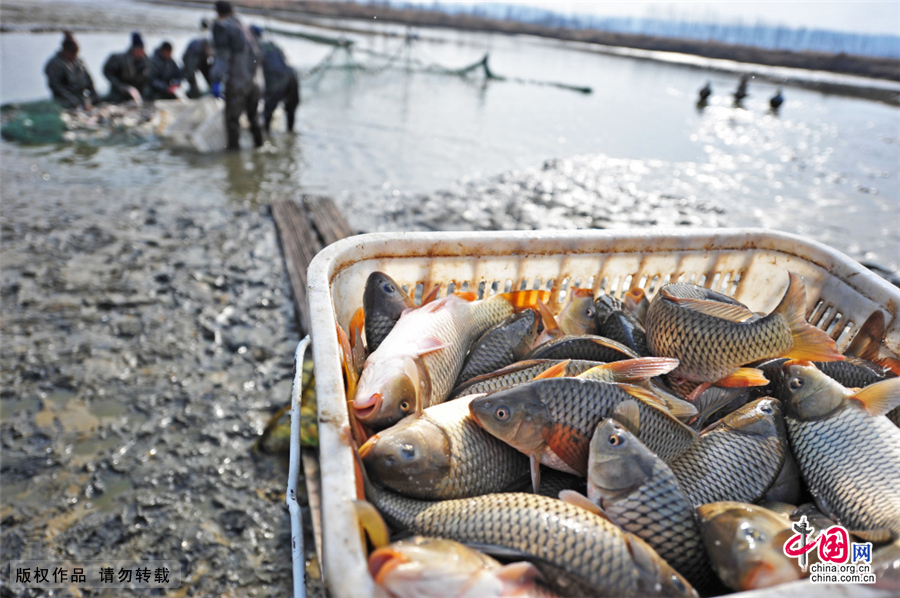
[(68, 78), (282, 84), (165, 76), (128, 72)]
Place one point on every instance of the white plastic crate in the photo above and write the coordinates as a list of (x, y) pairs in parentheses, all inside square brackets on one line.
[(751, 265)]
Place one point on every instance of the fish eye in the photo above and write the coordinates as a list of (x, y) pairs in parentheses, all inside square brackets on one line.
[(766, 409), (502, 413), (590, 312), (404, 406), (407, 451), (614, 440), (796, 383), (678, 584)]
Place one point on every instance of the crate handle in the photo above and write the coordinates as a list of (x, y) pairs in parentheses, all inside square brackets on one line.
[(298, 558)]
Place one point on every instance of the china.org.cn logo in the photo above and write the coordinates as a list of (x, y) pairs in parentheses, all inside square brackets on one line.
[(840, 561)]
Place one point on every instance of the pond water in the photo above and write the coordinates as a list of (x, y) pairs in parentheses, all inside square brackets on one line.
[(825, 166)]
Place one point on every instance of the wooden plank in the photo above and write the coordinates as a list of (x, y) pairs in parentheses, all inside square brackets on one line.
[(327, 219), (299, 243)]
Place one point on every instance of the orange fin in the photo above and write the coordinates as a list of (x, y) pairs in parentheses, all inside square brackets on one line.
[(879, 398), (555, 371), (582, 502), (867, 341), (467, 295), (371, 523), (891, 363), (742, 378), (350, 376), (810, 343), (521, 300), (715, 309), (432, 294), (569, 444), (547, 316), (637, 370), (357, 323)]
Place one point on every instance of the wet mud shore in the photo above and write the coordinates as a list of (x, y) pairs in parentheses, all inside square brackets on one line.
[(146, 344)]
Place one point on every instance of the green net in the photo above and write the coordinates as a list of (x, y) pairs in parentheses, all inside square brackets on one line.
[(32, 122)]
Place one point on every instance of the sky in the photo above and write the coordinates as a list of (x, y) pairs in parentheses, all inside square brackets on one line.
[(855, 16)]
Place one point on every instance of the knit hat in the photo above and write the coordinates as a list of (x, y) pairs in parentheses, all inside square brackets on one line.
[(223, 8), (256, 30), (136, 40)]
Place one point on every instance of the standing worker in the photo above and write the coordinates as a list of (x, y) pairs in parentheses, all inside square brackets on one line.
[(198, 57), (165, 76), (68, 78), (128, 72), (237, 59), (281, 81)]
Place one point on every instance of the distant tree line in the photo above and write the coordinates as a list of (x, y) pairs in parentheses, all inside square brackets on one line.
[(759, 35)]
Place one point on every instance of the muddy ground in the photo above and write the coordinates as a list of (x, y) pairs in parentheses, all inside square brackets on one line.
[(146, 343)]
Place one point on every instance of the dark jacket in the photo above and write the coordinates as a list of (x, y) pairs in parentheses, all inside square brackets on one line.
[(277, 73), (69, 82), (164, 73), (237, 55), (123, 70), (198, 52)]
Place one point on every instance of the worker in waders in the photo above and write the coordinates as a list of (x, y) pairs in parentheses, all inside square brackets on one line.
[(234, 73), (282, 84), (128, 72), (165, 76), (198, 57)]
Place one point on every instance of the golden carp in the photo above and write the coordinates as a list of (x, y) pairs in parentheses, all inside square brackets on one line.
[(713, 338), (416, 365), (846, 449), (640, 494), (738, 458), (435, 567), (745, 543), (578, 552), (442, 453)]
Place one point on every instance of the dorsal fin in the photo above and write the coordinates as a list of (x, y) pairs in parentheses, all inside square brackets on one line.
[(652, 400), (521, 300), (715, 309), (547, 317), (628, 415), (432, 295), (582, 502), (555, 371)]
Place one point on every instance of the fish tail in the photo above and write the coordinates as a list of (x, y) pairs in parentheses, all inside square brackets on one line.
[(522, 300), (809, 342)]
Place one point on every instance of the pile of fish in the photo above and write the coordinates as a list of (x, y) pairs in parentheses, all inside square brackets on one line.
[(618, 448), (108, 120)]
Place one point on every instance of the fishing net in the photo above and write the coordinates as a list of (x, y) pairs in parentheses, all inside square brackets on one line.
[(32, 122)]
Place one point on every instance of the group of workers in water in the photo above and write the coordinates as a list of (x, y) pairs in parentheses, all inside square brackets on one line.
[(229, 63), (739, 94)]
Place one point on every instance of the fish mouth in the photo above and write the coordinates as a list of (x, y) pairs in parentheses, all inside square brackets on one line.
[(367, 410), (765, 575), (383, 561)]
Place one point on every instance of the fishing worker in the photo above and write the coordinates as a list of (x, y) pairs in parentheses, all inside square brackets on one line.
[(237, 60), (282, 85), (165, 76), (198, 56), (128, 72), (68, 78)]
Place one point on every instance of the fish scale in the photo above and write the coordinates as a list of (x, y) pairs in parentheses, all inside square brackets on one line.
[(862, 493), (728, 465), (659, 512), (582, 404), (593, 553)]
